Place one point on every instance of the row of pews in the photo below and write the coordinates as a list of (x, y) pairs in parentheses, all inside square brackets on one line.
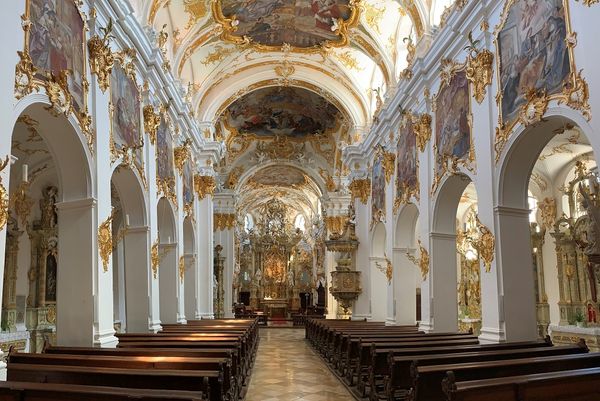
[(204, 360), (402, 363)]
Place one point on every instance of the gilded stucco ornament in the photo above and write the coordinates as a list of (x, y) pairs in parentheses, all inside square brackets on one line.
[(204, 185), (223, 221), (57, 89), (388, 270), (22, 202), (547, 209), (154, 258), (361, 189), (181, 154), (589, 3), (24, 75), (335, 225), (479, 68), (389, 166), (105, 241), (422, 262), (485, 245), (151, 122), (3, 196), (422, 128), (576, 96), (101, 57), (181, 266)]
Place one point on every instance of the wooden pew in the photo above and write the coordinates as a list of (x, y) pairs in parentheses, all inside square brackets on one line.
[(427, 380), (28, 391), (568, 385), (400, 379), (140, 362), (204, 382)]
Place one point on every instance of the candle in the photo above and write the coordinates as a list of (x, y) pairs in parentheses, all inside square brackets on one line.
[(169, 240), (25, 168), (126, 220)]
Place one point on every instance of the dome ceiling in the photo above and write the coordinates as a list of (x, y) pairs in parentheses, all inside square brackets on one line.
[(281, 111)]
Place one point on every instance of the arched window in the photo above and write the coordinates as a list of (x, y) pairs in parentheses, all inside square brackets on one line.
[(300, 222), (533, 207), (248, 223)]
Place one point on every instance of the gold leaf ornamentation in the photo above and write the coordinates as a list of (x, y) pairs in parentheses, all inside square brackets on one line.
[(336, 225), (485, 245), (389, 166), (101, 56), (181, 154), (479, 69), (548, 212), (204, 185), (3, 196), (361, 189), (105, 241), (181, 266), (151, 122), (388, 270), (154, 258), (422, 127), (24, 75), (223, 221), (422, 262)]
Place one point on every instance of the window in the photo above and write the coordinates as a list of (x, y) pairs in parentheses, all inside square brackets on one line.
[(300, 222), (248, 223)]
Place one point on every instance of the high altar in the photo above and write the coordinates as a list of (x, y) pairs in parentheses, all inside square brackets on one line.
[(278, 262)]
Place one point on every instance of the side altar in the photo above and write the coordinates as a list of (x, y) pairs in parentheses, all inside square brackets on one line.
[(274, 308)]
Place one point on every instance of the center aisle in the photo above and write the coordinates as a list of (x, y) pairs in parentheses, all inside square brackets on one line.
[(287, 369)]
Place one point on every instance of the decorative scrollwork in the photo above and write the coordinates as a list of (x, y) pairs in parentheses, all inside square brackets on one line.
[(57, 89), (3, 196), (24, 75), (204, 185), (154, 259), (181, 154), (223, 221), (576, 95), (101, 57), (422, 262), (485, 245), (105, 241), (389, 166), (422, 128), (388, 270), (151, 122), (181, 266), (479, 68), (361, 189)]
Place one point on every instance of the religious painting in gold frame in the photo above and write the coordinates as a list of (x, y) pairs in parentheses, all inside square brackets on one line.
[(300, 26), (407, 163), (165, 167), (54, 56), (125, 111), (453, 145), (535, 60), (377, 190)]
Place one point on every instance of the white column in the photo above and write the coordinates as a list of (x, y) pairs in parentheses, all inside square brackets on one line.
[(204, 227), (228, 242), (389, 251), (332, 304), (153, 311), (362, 306), (516, 297), (442, 283), (168, 276), (191, 262), (180, 288)]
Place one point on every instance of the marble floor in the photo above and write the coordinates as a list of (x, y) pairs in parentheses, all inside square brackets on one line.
[(287, 369)]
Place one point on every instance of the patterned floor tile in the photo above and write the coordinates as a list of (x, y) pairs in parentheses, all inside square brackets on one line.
[(287, 369)]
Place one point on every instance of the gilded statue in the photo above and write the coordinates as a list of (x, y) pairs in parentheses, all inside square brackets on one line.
[(48, 207)]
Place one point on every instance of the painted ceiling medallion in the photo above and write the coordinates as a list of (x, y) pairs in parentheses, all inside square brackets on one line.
[(305, 25), (279, 176), (282, 111)]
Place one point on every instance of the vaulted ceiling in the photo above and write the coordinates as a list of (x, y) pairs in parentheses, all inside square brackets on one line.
[(285, 82)]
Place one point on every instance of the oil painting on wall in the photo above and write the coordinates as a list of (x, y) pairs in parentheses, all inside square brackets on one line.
[(164, 158), (188, 183), (304, 23), (452, 129), (406, 163), (378, 190), (56, 43), (533, 52), (282, 111), (126, 118)]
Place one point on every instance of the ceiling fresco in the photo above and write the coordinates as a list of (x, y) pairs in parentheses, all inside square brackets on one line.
[(282, 111), (300, 23), (279, 176)]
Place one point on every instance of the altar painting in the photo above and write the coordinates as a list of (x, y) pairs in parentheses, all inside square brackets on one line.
[(378, 191), (164, 157), (452, 127), (188, 183), (126, 109), (407, 183), (56, 43), (300, 23), (533, 52), (282, 111)]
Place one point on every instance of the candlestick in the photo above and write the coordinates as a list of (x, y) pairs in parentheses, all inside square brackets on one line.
[(25, 168)]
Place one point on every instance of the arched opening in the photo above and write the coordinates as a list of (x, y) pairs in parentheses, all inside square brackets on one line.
[(378, 277), (552, 170), (442, 312), (131, 262), (168, 275), (189, 255), (50, 205), (407, 279)]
